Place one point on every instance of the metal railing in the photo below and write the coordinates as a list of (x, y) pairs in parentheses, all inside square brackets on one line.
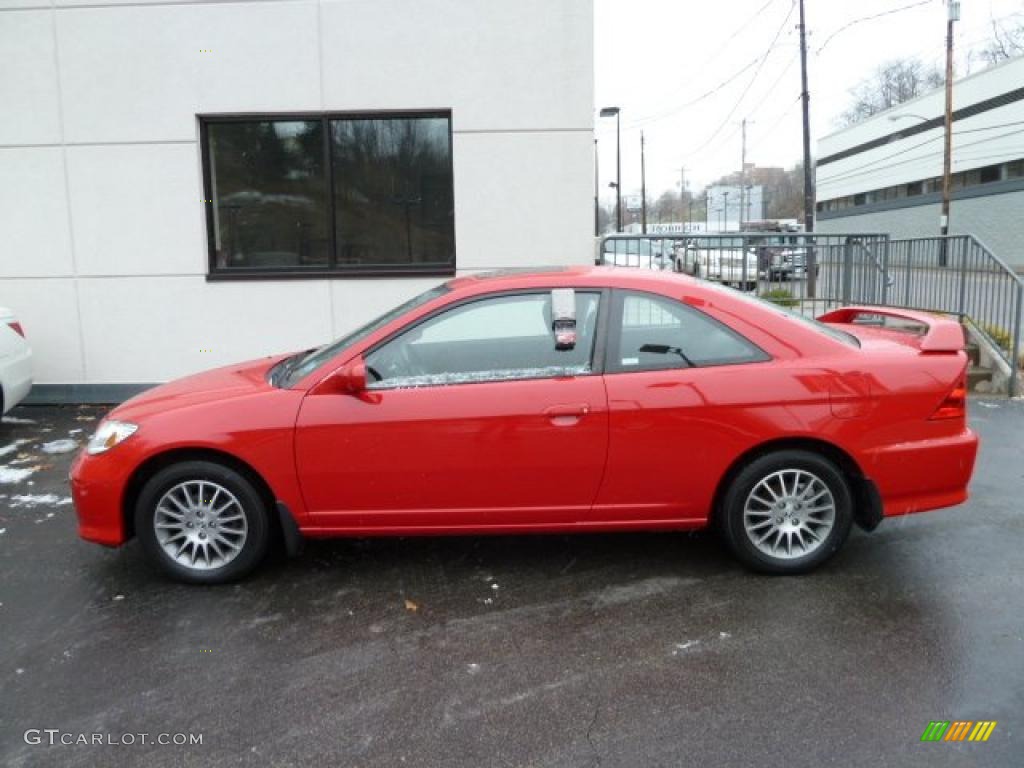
[(814, 272), (959, 275)]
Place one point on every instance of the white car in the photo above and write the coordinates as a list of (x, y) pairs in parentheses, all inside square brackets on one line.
[(15, 361), (627, 251), (720, 264)]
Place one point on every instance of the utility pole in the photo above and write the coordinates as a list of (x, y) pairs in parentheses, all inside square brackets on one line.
[(614, 112), (805, 97), (597, 187), (643, 188), (743, 170), (947, 151), (682, 193)]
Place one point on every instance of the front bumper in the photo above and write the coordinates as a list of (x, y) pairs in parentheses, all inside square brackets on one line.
[(97, 489)]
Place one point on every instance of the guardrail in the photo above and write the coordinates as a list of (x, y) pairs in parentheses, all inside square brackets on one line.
[(815, 272)]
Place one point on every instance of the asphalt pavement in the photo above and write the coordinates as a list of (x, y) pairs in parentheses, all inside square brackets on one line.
[(613, 650)]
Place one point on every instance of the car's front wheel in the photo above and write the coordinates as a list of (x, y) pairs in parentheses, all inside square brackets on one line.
[(202, 522), (787, 512)]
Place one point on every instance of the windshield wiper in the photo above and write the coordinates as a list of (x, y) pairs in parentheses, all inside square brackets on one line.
[(286, 366), (664, 349)]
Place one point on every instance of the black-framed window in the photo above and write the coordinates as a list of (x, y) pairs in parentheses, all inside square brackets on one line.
[(652, 332), (498, 337), (329, 194)]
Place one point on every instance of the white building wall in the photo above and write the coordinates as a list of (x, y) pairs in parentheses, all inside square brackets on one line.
[(103, 249), (992, 137)]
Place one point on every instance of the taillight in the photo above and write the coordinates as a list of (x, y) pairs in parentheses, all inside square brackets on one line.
[(955, 404), (17, 329)]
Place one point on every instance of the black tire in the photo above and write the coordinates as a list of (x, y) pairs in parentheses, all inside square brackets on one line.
[(735, 500), (252, 506)]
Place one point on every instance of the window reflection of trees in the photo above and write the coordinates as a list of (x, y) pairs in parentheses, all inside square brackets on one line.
[(271, 193), (393, 191)]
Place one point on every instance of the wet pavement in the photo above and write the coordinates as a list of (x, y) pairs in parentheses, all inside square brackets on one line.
[(616, 650)]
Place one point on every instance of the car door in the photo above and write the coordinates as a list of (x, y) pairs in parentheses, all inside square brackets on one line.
[(678, 382), (471, 419)]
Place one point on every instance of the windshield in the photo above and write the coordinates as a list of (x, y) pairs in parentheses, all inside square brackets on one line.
[(828, 330), (300, 367)]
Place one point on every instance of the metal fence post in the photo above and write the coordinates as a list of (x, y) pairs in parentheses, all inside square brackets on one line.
[(963, 276), (1015, 343), (847, 271), (885, 245)]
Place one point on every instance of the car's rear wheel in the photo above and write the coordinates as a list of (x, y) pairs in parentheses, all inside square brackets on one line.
[(202, 522), (787, 512)]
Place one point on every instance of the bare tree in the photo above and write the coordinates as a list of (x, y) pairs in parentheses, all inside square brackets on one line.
[(1007, 40), (892, 83)]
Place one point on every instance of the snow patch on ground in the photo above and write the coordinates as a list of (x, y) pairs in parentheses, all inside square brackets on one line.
[(37, 499), (59, 446), (12, 475), (16, 420), (683, 647), (11, 447)]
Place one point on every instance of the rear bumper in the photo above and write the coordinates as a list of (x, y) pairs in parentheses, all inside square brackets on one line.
[(97, 486), (923, 475)]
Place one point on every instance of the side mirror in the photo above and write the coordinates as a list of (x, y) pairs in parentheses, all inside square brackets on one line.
[(350, 380)]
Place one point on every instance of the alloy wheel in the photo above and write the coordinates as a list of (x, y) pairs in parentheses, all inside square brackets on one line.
[(789, 514), (200, 524)]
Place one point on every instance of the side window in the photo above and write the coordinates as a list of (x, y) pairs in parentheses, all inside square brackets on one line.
[(657, 332), (496, 339)]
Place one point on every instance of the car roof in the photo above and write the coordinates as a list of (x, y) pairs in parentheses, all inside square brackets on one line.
[(571, 276)]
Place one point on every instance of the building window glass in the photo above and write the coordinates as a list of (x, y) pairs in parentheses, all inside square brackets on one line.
[(1015, 170), (329, 194), (990, 173)]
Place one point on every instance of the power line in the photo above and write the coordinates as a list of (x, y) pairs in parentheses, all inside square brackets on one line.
[(719, 49), (775, 124), (866, 169), (655, 116), (869, 18), (962, 131), (715, 134), (757, 62)]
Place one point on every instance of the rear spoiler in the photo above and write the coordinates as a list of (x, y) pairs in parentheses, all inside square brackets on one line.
[(942, 334)]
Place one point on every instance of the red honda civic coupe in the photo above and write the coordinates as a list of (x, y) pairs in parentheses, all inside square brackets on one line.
[(576, 399)]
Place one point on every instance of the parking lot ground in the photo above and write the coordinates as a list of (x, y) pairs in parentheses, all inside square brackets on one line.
[(613, 650)]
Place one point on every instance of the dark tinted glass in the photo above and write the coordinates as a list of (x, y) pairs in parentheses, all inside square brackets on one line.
[(660, 333), (393, 192), (268, 186)]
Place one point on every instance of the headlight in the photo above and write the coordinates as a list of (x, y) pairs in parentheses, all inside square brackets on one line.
[(110, 434)]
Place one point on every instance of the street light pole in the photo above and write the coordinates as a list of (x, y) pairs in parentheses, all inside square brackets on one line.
[(643, 188), (947, 150), (614, 112)]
